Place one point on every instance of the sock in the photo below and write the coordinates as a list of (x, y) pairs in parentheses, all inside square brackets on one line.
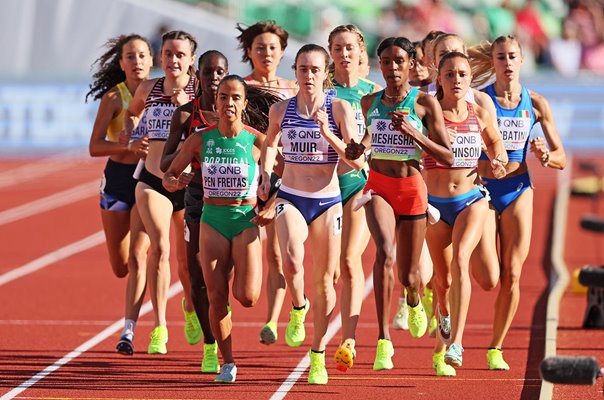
[(128, 330), (300, 308), (317, 352)]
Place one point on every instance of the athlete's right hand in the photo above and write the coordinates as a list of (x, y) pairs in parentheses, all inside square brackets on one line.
[(264, 187), (124, 137), (140, 147), (172, 183), (354, 150)]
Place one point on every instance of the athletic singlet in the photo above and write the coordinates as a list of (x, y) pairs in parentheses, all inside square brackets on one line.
[(467, 145), (117, 124), (197, 124), (159, 109), (229, 169), (387, 143), (302, 140), (469, 97), (515, 125), (282, 89), (353, 95)]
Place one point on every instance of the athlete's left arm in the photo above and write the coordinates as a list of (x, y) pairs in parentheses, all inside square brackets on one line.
[(438, 145), (344, 118), (554, 157)]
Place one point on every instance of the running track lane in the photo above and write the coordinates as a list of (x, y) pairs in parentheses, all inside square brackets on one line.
[(582, 248), (55, 310)]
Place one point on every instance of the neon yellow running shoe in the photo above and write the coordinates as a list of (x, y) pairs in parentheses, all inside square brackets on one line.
[(193, 332), (345, 355), (418, 322), (317, 374), (159, 338), (441, 367), (295, 333), (496, 361), (383, 355), (432, 326), (210, 363), (268, 334), (428, 301)]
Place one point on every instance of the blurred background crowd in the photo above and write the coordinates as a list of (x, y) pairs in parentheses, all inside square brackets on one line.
[(567, 35)]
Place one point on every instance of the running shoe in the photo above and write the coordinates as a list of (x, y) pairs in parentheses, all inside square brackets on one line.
[(317, 374), (454, 356), (268, 334), (345, 355), (428, 301), (496, 361), (159, 338), (295, 333), (418, 322), (192, 327), (383, 355), (125, 346), (441, 367), (432, 325), (210, 363), (400, 320), (228, 373), (444, 328)]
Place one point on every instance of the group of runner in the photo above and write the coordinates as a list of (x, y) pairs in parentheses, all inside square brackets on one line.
[(431, 168)]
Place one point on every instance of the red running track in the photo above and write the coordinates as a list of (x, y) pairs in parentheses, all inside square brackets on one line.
[(47, 314)]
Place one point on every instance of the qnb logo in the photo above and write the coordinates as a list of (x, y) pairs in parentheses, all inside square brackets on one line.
[(212, 169), (291, 134), (381, 126), (156, 112)]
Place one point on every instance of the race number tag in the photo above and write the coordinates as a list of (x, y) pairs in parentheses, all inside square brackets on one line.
[(280, 209), (187, 233), (337, 224)]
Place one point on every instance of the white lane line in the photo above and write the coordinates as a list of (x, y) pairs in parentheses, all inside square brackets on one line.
[(89, 344), (46, 166), (68, 196), (559, 276), (67, 251), (332, 329)]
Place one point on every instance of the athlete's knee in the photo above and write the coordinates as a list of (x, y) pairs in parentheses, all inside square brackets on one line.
[(247, 299), (218, 296), (385, 255), (292, 265), (273, 256), (510, 279), (444, 282), (347, 267), (160, 248), (411, 280)]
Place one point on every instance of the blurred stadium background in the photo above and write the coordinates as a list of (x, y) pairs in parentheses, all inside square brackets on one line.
[(48, 47)]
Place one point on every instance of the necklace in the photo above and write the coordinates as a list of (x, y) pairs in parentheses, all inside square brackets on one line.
[(398, 96)]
